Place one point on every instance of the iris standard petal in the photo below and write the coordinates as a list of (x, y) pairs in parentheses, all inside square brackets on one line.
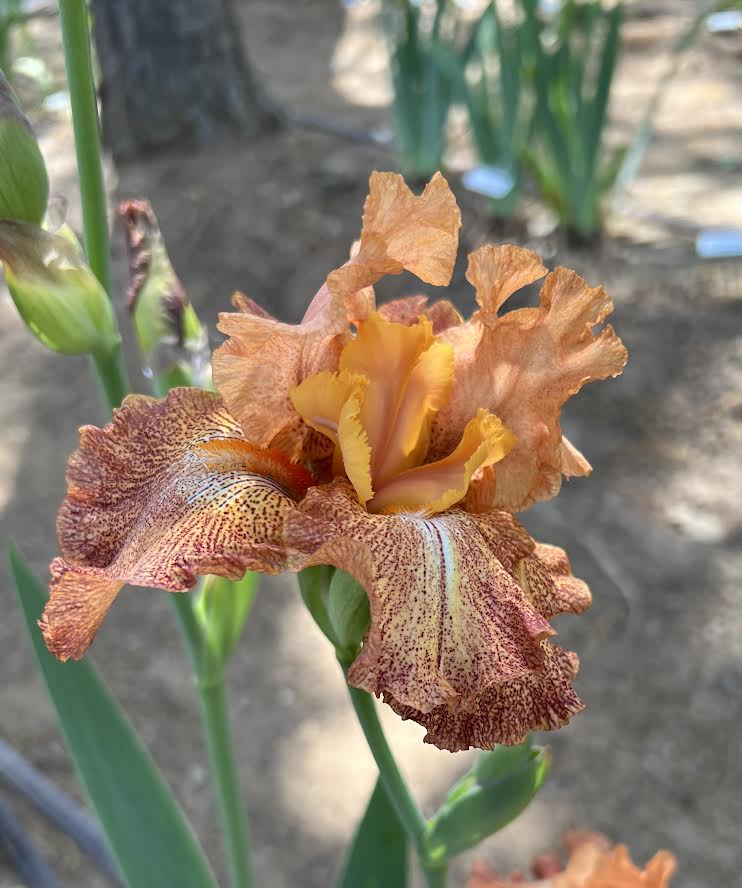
[(409, 378), (523, 366), (402, 232)]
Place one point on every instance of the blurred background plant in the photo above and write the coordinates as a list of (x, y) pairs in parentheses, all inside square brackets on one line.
[(425, 53), (536, 82)]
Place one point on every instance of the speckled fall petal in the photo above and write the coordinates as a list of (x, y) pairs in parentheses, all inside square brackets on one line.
[(523, 366), (165, 492), (541, 699), (450, 622)]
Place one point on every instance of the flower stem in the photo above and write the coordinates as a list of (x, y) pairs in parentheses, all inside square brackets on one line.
[(109, 368), (399, 794), (232, 813), (110, 372), (212, 695)]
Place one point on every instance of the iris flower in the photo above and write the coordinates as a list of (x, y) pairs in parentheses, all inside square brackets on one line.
[(395, 442), (593, 863)]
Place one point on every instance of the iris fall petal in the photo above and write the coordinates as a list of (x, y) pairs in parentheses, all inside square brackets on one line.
[(164, 493)]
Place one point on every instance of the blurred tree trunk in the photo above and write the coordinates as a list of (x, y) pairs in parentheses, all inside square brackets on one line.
[(174, 72)]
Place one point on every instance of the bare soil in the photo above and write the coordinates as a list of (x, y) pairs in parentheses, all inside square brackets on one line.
[(656, 530)]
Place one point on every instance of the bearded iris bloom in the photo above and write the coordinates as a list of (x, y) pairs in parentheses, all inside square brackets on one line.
[(593, 863), (395, 442)]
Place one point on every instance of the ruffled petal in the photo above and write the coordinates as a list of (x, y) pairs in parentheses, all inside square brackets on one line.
[(264, 358), (448, 618), (523, 366), (402, 232), (538, 700), (164, 493), (498, 272), (437, 486), (593, 863)]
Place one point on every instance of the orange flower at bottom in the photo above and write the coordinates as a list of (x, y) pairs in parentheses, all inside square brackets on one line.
[(593, 863)]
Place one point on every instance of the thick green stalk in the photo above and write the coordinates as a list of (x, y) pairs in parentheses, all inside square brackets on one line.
[(110, 372), (399, 794), (109, 368), (212, 696)]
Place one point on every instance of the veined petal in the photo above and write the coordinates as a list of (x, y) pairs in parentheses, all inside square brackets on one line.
[(264, 358), (332, 403), (538, 700), (402, 232), (498, 272), (448, 618), (409, 378), (164, 493), (524, 367), (441, 314), (437, 486)]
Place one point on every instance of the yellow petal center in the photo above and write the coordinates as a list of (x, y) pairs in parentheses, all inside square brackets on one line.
[(378, 410)]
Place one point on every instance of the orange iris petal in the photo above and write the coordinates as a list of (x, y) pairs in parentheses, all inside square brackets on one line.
[(331, 403), (164, 493), (409, 379), (437, 486)]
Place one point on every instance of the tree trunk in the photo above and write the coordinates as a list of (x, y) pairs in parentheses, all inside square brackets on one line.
[(174, 72)]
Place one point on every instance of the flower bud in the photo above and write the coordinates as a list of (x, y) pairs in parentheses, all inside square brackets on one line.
[(222, 609), (172, 340), (24, 185), (349, 613), (56, 294)]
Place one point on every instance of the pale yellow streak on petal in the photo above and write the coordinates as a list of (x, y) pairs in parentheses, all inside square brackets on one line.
[(332, 404), (319, 399), (354, 446), (437, 486)]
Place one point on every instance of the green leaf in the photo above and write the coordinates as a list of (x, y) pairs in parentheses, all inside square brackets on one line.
[(487, 798), (148, 833), (378, 854)]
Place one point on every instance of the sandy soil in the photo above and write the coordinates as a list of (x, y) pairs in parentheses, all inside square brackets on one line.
[(656, 530)]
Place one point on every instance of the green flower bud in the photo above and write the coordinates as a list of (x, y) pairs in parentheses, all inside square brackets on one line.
[(24, 185), (172, 340), (488, 797), (348, 611), (222, 609), (56, 294)]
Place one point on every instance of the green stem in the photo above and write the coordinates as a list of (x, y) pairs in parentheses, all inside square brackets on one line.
[(212, 695), (399, 794), (110, 372), (232, 814), (436, 876), (109, 369)]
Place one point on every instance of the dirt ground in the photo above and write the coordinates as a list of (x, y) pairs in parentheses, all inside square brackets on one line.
[(656, 530)]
